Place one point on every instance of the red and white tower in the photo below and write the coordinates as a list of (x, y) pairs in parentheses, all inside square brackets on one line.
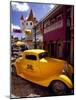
[(27, 25)]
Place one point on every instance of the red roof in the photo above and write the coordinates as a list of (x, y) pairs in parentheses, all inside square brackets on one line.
[(30, 17)]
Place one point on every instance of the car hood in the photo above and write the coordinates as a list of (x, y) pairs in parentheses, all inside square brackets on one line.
[(51, 60)]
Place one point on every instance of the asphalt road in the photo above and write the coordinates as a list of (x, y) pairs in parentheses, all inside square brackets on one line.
[(24, 88)]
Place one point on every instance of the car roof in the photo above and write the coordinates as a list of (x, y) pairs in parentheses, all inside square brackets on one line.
[(36, 51)]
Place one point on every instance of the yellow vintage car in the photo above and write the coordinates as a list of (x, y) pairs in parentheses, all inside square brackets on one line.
[(35, 65)]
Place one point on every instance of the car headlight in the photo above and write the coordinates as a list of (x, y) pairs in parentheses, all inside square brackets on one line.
[(68, 70), (64, 71)]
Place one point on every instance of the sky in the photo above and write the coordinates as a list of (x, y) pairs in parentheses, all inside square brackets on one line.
[(21, 8)]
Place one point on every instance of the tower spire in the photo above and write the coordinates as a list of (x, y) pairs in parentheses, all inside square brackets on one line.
[(30, 17), (22, 18)]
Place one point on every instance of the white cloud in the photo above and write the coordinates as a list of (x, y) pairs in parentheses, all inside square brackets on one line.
[(26, 17), (20, 6), (51, 6), (14, 27)]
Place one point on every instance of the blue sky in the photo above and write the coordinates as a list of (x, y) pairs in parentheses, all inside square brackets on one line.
[(20, 8)]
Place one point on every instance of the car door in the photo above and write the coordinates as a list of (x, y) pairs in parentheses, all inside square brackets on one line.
[(31, 68)]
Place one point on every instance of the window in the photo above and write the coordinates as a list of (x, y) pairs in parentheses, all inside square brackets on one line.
[(31, 57), (59, 17), (53, 21), (30, 23), (23, 23), (43, 55), (26, 23), (44, 25), (47, 24)]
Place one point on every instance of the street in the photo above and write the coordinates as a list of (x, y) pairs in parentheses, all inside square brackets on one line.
[(24, 88)]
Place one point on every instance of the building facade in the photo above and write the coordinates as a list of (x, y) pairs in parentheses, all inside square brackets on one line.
[(58, 32)]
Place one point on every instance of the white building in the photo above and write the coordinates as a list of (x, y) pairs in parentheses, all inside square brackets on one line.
[(27, 28)]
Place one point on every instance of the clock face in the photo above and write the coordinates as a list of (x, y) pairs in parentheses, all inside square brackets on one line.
[(29, 25)]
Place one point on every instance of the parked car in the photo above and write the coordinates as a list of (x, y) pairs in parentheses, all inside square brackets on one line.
[(17, 49), (37, 67), (22, 46)]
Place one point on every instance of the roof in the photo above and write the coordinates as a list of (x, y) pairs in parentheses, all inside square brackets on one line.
[(37, 51), (30, 17), (50, 13)]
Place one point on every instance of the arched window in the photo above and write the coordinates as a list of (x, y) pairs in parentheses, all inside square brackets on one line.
[(27, 23)]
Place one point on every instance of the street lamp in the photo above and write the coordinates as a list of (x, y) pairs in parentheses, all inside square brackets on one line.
[(34, 27), (35, 44)]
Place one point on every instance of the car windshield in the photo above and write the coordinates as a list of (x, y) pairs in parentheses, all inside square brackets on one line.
[(43, 55)]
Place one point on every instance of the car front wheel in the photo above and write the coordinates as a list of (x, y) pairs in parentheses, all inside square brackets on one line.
[(58, 88)]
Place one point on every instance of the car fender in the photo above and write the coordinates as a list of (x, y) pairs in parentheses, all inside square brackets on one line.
[(66, 80)]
